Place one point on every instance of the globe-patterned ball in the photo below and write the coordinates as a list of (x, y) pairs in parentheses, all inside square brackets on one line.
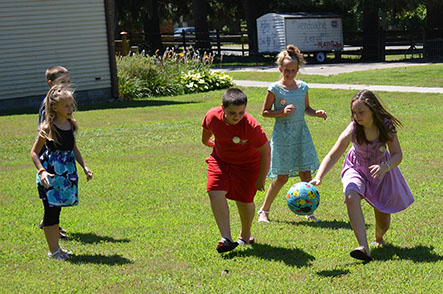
[(303, 198)]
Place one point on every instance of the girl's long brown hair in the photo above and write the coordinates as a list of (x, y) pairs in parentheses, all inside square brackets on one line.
[(54, 96), (385, 122)]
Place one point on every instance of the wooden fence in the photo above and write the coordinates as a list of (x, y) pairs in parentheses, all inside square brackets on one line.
[(396, 42), (217, 42)]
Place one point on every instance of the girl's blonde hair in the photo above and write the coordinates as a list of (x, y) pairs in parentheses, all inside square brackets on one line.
[(54, 96), (291, 53)]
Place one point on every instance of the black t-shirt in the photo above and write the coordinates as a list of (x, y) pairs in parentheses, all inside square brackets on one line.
[(66, 139)]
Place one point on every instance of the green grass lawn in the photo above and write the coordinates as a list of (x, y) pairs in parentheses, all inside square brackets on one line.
[(144, 224), (423, 75)]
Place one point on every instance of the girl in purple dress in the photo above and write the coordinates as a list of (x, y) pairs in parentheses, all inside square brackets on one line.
[(369, 170)]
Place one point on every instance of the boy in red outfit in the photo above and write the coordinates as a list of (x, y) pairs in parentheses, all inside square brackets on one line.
[(238, 165)]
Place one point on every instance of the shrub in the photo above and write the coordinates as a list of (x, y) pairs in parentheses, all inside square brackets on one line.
[(141, 75), (204, 80)]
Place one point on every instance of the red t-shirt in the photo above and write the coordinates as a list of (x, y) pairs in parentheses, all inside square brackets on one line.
[(235, 144)]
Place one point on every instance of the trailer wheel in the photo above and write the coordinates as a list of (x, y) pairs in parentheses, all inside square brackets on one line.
[(320, 57)]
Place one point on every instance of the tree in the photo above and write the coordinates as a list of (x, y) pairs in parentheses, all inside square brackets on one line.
[(151, 26), (133, 15), (200, 11), (373, 37), (253, 9), (434, 20)]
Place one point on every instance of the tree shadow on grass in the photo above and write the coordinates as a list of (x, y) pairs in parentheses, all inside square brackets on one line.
[(291, 257), (416, 254), (334, 224), (91, 238), (105, 105), (99, 259)]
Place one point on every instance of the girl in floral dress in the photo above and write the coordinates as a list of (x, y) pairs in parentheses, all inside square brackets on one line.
[(57, 179)]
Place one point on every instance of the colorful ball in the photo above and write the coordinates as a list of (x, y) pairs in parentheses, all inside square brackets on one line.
[(303, 198)]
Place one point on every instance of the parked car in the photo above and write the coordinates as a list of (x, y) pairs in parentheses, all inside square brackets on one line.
[(178, 32)]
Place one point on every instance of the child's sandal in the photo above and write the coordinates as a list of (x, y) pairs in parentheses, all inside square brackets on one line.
[(225, 245), (242, 242), (263, 216), (312, 217), (59, 254)]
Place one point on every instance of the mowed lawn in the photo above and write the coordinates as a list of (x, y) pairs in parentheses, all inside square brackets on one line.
[(144, 224), (418, 75)]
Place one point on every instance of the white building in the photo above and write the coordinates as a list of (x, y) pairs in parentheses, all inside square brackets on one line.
[(37, 34)]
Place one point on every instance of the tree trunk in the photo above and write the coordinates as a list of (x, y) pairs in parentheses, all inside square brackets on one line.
[(373, 36), (251, 12), (433, 45), (434, 20), (151, 27), (200, 11)]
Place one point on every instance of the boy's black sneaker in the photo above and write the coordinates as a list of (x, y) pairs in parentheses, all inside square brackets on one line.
[(225, 245)]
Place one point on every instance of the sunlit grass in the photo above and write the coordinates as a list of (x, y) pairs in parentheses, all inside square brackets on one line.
[(144, 224), (422, 75)]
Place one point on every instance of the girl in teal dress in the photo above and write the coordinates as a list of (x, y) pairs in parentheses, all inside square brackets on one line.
[(292, 150)]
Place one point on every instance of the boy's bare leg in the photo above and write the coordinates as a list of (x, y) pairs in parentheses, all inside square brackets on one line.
[(247, 212), (220, 210)]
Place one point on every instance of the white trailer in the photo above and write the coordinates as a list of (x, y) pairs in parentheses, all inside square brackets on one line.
[(311, 33)]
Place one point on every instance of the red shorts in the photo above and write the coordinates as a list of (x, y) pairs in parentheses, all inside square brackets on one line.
[(237, 180)]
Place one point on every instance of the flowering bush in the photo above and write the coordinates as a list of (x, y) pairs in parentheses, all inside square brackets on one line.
[(141, 75), (204, 80)]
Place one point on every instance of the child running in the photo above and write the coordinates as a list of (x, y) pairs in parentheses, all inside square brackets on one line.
[(237, 166), (57, 178), (369, 170), (292, 150)]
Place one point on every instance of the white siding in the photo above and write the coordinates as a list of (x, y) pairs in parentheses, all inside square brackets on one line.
[(36, 34), (271, 33)]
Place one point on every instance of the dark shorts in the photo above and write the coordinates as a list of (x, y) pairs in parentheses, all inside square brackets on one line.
[(237, 180)]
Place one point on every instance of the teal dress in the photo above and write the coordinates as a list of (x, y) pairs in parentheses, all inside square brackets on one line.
[(292, 149)]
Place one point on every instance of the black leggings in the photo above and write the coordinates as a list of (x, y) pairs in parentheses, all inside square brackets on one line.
[(52, 214)]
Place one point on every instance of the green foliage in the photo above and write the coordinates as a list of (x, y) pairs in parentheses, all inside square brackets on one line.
[(205, 80), (172, 73), (408, 19)]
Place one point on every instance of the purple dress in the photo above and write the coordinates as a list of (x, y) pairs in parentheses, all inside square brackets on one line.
[(389, 194)]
